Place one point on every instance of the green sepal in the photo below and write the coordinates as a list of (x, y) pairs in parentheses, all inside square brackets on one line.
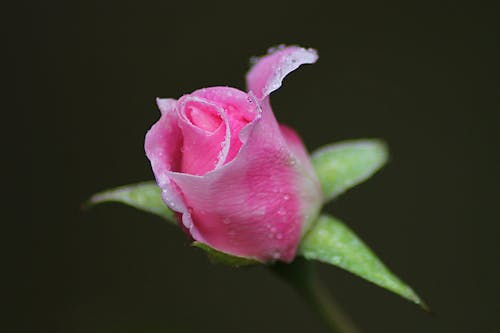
[(144, 196), (224, 258), (343, 165), (332, 242)]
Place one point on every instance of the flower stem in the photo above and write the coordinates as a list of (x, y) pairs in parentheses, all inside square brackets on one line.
[(301, 276)]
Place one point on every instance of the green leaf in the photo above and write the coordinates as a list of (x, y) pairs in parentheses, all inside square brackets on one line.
[(330, 241), (224, 258), (345, 164), (144, 196)]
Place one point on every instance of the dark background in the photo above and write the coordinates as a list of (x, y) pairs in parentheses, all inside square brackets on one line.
[(424, 77)]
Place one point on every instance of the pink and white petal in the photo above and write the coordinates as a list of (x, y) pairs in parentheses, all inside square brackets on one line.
[(163, 142), (239, 109), (163, 148), (295, 143), (163, 145), (202, 149), (251, 206), (234, 101), (310, 193), (267, 74), (166, 104)]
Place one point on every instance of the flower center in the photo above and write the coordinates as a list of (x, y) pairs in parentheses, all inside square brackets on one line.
[(203, 116)]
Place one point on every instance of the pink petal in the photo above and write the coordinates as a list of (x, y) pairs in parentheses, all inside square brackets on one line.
[(163, 141), (269, 71), (202, 149), (166, 104), (251, 206), (238, 109), (295, 144), (163, 148), (205, 119), (310, 192)]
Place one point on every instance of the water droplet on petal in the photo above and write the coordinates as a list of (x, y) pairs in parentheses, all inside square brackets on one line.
[(261, 211)]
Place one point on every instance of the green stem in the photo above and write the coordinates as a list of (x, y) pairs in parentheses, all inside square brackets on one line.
[(300, 275)]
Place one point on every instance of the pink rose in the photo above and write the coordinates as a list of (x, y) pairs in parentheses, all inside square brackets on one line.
[(240, 182)]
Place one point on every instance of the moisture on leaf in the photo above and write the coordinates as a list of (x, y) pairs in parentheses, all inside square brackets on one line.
[(343, 165), (330, 241), (145, 196)]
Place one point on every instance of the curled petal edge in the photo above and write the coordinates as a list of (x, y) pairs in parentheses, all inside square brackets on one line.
[(268, 72)]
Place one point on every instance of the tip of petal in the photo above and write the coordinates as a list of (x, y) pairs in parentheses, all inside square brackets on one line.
[(288, 62), (165, 104), (268, 72)]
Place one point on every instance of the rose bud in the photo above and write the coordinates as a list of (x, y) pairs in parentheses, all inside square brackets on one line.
[(240, 182)]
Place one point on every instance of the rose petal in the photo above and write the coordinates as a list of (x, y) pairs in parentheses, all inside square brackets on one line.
[(295, 144), (202, 150), (163, 141), (163, 148), (310, 193), (166, 104), (163, 145), (238, 109), (269, 71), (249, 207)]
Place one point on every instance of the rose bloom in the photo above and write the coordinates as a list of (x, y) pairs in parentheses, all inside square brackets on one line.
[(240, 182)]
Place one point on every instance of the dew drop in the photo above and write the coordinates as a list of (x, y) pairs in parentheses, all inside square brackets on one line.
[(286, 197), (261, 211), (279, 236), (171, 204)]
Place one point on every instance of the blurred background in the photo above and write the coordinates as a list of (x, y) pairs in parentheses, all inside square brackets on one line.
[(424, 77)]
